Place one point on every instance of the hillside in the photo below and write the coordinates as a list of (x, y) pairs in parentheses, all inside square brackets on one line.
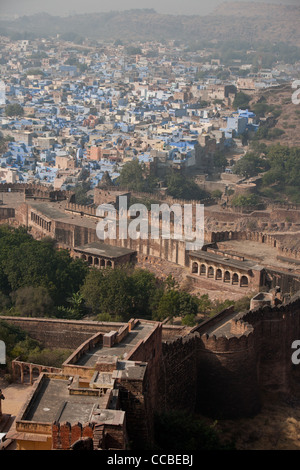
[(231, 21), (288, 119)]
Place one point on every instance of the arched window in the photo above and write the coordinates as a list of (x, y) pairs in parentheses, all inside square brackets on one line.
[(218, 274), (202, 270), (195, 268), (244, 281), (210, 271), (227, 276), (235, 278)]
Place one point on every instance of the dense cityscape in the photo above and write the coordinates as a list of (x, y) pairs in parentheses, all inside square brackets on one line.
[(124, 344)]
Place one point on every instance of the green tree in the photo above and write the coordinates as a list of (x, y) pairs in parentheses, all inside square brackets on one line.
[(13, 110), (109, 291), (204, 303), (49, 357), (250, 165), (24, 348), (174, 303), (217, 194), (284, 171), (25, 262), (188, 320), (33, 302), (132, 176), (241, 100), (244, 201), (76, 307), (220, 161), (145, 291), (168, 305), (81, 192), (181, 187)]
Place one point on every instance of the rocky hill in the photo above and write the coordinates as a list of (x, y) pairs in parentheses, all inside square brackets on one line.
[(288, 118), (230, 21)]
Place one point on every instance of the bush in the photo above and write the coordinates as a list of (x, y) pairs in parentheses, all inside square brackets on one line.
[(241, 100), (188, 320), (49, 357), (180, 187), (274, 133), (217, 194), (244, 201)]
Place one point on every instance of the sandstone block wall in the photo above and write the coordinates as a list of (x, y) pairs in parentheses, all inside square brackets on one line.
[(227, 377), (56, 333), (178, 375), (132, 401)]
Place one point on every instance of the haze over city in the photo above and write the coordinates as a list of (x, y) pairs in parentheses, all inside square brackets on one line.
[(70, 7)]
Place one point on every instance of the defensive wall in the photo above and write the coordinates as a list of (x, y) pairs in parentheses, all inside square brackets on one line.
[(220, 368), (56, 333), (71, 233), (70, 334), (224, 375)]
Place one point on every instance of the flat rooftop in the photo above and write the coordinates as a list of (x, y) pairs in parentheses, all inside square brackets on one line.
[(238, 264), (102, 249), (56, 211), (52, 402), (90, 358)]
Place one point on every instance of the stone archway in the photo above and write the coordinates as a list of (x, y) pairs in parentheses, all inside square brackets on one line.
[(227, 276)]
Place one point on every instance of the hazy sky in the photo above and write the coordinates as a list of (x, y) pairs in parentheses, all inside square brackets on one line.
[(66, 7)]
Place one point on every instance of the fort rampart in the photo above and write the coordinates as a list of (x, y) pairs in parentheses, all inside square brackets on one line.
[(56, 333), (216, 373)]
